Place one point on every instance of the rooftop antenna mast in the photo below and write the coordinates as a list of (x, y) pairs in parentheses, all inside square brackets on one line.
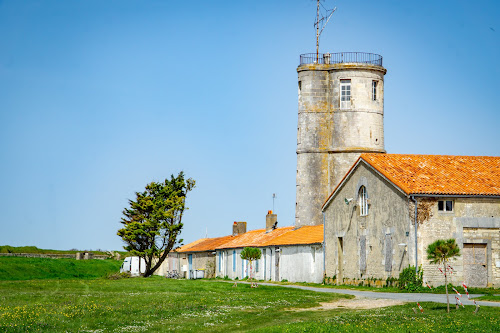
[(274, 197), (323, 21)]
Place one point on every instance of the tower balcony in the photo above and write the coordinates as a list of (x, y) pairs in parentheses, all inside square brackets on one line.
[(340, 58)]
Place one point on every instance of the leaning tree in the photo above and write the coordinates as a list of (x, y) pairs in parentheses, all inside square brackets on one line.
[(153, 222), (440, 252)]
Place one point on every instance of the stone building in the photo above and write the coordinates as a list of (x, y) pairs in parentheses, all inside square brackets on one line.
[(370, 229), (340, 116)]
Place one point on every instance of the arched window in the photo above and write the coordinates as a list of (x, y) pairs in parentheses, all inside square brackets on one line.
[(363, 201)]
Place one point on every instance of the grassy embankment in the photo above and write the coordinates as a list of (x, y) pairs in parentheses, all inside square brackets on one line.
[(157, 304), (18, 268), (34, 249)]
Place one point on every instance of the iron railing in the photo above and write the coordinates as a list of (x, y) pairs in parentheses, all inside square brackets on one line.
[(341, 57)]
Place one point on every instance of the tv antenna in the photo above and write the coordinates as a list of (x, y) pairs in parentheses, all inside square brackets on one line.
[(322, 21), (274, 197)]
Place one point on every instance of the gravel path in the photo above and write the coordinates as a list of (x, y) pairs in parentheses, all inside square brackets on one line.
[(406, 297)]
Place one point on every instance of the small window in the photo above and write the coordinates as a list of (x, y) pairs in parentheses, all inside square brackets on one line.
[(345, 94), (363, 201), (256, 265), (445, 205), (374, 90)]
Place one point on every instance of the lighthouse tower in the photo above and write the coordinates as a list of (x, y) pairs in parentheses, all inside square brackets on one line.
[(341, 115)]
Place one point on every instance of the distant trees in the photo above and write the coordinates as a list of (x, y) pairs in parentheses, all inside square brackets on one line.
[(440, 252), (251, 254), (153, 222)]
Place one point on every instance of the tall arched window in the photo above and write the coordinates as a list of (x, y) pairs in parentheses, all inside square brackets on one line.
[(363, 201)]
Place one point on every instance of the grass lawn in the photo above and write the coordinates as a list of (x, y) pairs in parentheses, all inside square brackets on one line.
[(18, 268), (157, 304), (490, 298)]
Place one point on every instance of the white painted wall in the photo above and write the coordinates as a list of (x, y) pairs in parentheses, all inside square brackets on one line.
[(297, 263), (301, 263)]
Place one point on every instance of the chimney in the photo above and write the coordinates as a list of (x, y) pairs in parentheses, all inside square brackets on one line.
[(239, 228), (271, 221)]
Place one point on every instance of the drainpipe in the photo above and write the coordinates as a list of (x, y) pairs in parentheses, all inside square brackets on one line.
[(416, 228), (324, 249)]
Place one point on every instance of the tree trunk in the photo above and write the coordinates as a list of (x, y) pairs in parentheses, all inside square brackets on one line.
[(446, 287)]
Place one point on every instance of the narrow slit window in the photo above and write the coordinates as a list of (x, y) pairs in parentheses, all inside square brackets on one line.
[(374, 90)]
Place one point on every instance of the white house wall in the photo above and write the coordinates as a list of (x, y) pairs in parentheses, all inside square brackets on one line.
[(301, 263), (296, 263)]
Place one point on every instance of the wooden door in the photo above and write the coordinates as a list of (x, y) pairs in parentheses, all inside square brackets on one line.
[(475, 265)]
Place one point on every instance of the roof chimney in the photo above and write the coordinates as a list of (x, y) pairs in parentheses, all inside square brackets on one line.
[(239, 228), (271, 221)]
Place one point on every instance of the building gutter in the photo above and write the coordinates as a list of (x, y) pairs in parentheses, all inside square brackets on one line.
[(427, 195), (324, 249), (412, 197)]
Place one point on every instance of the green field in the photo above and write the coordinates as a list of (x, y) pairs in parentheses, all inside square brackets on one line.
[(18, 268), (157, 304)]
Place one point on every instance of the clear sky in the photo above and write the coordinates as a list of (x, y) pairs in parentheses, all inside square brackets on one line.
[(98, 98)]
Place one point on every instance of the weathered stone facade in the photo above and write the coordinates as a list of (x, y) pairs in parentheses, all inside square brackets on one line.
[(472, 221), (382, 243), (361, 247), (331, 136)]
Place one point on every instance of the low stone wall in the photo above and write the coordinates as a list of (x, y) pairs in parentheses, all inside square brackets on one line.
[(48, 255), (377, 283)]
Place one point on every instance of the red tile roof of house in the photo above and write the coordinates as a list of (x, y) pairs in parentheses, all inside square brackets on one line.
[(258, 238), (255, 238), (206, 244), (439, 174), (303, 235)]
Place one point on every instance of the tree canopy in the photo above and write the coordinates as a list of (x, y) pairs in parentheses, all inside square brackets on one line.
[(251, 254), (153, 222), (440, 252)]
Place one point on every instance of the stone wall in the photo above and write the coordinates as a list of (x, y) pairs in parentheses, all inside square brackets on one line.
[(473, 221), (331, 138), (361, 247)]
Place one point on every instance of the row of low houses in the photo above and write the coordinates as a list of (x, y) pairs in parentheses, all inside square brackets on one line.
[(369, 227), (288, 253)]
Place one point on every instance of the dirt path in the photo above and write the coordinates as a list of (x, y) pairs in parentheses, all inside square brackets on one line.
[(354, 303)]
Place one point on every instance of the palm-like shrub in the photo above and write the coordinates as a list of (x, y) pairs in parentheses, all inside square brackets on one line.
[(440, 252), (250, 254)]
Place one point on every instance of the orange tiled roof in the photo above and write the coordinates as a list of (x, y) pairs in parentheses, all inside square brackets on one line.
[(255, 238), (184, 247), (303, 235), (439, 174), (207, 244)]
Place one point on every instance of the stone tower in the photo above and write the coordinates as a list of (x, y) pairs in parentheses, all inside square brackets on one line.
[(341, 115)]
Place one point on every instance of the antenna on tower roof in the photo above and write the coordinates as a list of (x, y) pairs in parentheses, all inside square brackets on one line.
[(321, 21)]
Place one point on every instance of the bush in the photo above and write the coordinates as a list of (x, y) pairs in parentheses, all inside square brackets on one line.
[(118, 276), (409, 280)]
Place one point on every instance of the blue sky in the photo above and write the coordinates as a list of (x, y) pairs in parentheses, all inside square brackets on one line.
[(98, 98)]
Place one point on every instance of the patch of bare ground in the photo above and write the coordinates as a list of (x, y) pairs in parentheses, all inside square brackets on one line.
[(354, 303)]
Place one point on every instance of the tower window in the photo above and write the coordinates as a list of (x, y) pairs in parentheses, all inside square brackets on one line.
[(445, 206), (374, 90), (363, 201), (345, 94)]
